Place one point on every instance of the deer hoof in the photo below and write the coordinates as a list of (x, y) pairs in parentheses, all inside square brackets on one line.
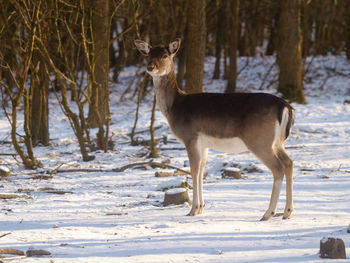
[(267, 216), (287, 213), (194, 211), (201, 208)]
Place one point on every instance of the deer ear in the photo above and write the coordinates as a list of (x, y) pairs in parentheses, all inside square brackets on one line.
[(142, 46), (174, 46)]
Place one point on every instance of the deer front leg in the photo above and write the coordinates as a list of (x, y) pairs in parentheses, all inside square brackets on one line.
[(194, 157), (204, 155)]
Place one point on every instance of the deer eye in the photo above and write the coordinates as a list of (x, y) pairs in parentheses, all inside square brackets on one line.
[(164, 56)]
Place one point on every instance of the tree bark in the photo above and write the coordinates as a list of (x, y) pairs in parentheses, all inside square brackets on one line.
[(153, 142), (233, 21), (220, 38), (181, 67), (289, 52), (195, 46), (306, 28), (100, 62), (39, 121), (347, 30)]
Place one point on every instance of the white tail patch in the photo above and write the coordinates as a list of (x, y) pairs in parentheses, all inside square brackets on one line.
[(280, 131)]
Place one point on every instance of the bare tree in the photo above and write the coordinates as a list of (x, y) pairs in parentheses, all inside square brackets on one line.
[(27, 15), (289, 52), (233, 22), (195, 46), (97, 58), (39, 94), (99, 62), (347, 29)]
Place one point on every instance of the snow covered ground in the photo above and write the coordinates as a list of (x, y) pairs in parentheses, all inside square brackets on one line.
[(118, 217)]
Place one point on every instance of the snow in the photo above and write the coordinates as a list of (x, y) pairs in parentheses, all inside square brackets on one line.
[(171, 183), (232, 169), (119, 217), (324, 240), (175, 191), (4, 169)]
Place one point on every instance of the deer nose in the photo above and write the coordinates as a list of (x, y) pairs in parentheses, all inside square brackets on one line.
[(150, 67)]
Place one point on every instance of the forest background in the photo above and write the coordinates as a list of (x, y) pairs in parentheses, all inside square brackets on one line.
[(75, 49)]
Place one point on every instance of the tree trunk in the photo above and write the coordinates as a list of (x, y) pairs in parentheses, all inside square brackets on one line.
[(233, 22), (321, 27), (273, 28), (195, 46), (99, 113), (153, 142), (100, 63), (181, 67), (39, 121), (306, 28), (347, 29), (289, 52), (219, 42)]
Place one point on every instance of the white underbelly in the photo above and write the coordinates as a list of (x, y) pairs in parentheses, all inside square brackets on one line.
[(227, 145)]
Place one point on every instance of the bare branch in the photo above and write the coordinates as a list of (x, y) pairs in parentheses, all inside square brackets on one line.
[(150, 163), (6, 234)]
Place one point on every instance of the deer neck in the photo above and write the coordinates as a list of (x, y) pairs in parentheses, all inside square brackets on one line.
[(166, 90)]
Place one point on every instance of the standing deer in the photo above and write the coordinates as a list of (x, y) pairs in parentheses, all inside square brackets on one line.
[(230, 123)]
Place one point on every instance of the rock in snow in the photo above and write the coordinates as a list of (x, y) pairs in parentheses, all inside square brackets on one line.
[(332, 248), (176, 196), (4, 171), (232, 172)]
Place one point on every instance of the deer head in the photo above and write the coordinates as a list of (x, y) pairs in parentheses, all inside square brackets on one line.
[(160, 58)]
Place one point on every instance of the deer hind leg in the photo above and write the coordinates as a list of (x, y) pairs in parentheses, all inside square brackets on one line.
[(276, 166), (288, 168), (195, 158)]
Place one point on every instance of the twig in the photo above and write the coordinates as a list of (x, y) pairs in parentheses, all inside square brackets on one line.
[(146, 130), (54, 171), (118, 170), (131, 82), (308, 67), (243, 68), (325, 80), (334, 170), (172, 148), (6, 234), (265, 76), (334, 70), (150, 163), (5, 142), (139, 90), (86, 170)]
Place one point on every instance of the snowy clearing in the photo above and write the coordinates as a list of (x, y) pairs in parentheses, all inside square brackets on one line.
[(119, 217)]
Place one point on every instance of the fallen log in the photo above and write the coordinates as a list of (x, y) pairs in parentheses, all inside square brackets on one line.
[(44, 174), (150, 163), (11, 251), (13, 196)]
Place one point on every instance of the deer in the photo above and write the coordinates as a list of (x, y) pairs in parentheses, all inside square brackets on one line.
[(226, 122)]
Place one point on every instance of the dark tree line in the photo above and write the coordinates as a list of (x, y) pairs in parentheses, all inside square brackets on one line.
[(68, 47)]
